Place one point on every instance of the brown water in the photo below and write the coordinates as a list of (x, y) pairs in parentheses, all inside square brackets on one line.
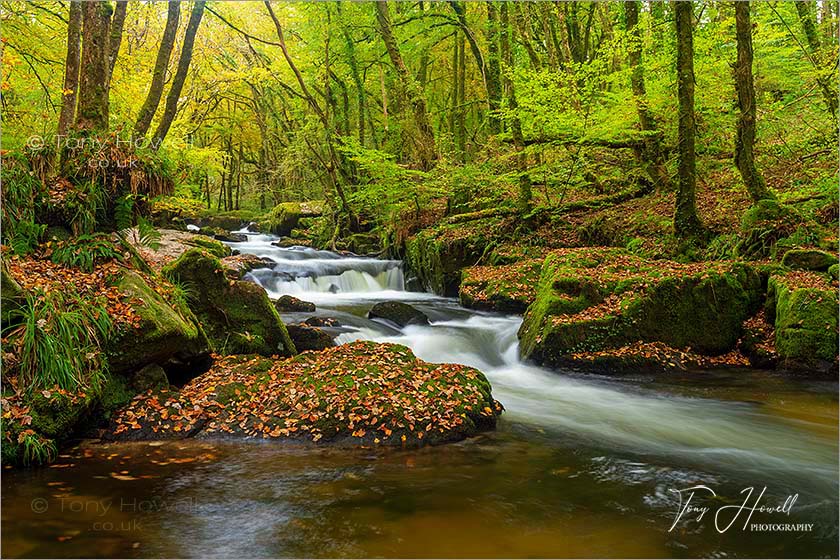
[(580, 466)]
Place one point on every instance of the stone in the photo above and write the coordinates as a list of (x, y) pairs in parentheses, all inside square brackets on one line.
[(398, 313), (809, 259), (309, 338), (291, 304)]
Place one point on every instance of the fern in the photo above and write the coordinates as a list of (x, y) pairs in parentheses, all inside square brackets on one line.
[(85, 252), (149, 236)]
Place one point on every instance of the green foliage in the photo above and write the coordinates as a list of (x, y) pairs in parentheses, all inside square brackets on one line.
[(85, 251), (37, 450), (21, 194), (82, 206), (58, 340)]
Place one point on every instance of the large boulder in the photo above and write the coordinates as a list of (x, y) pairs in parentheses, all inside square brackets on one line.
[(167, 332), (306, 338), (399, 313), (803, 308), (359, 393), (291, 304), (237, 316), (809, 259), (437, 255), (590, 300), (282, 219)]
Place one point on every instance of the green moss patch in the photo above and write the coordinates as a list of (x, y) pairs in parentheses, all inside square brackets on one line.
[(596, 299), (507, 289)]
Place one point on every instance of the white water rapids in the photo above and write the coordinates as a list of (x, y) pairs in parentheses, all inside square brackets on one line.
[(736, 437)]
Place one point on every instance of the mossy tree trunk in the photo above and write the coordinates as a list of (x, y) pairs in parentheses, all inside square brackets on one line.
[(806, 18), (92, 112), (686, 221), (524, 195), (651, 154), (150, 105), (425, 140), (171, 107), (115, 37), (71, 68), (494, 73), (744, 157)]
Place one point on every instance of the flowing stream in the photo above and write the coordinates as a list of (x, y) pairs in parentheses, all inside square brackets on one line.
[(580, 466)]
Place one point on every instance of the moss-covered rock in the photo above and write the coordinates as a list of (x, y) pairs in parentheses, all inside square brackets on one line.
[(212, 246), (359, 393), (307, 337), (398, 313), (167, 332), (291, 304), (506, 289), (281, 219), (593, 299), (364, 243), (437, 255), (764, 224), (809, 259), (237, 316), (834, 271), (803, 307)]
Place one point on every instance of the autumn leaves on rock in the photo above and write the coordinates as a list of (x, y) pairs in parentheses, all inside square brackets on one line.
[(375, 394)]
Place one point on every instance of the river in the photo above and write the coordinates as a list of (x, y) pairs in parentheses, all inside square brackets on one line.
[(580, 465)]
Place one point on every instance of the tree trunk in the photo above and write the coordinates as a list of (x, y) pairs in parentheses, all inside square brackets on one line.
[(808, 26), (93, 80), (425, 141), (180, 74), (71, 68), (651, 155), (115, 37), (686, 221), (744, 158), (462, 98), (524, 198), (149, 108), (494, 75), (350, 49)]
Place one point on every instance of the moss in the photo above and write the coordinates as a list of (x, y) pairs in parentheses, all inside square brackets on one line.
[(237, 316), (506, 289), (585, 303), (809, 259), (10, 293), (763, 225), (281, 219), (806, 322), (214, 247), (437, 255), (834, 271), (165, 331)]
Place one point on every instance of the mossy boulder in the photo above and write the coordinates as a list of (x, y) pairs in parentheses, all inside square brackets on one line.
[(167, 332), (593, 299), (307, 337), (803, 308), (237, 315), (364, 243), (282, 219), (437, 255), (764, 224), (229, 221), (834, 271), (291, 304), (505, 289), (361, 393), (809, 259), (212, 246), (398, 313)]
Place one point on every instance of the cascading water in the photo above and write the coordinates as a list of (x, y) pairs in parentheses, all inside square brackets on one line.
[(726, 434)]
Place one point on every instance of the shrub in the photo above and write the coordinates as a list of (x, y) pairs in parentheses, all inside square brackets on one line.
[(85, 252)]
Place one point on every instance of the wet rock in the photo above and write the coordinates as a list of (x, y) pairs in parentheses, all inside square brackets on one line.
[(310, 338), (287, 242), (241, 264), (361, 393), (230, 237), (237, 316), (809, 259), (149, 378), (291, 304), (399, 313), (322, 322)]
